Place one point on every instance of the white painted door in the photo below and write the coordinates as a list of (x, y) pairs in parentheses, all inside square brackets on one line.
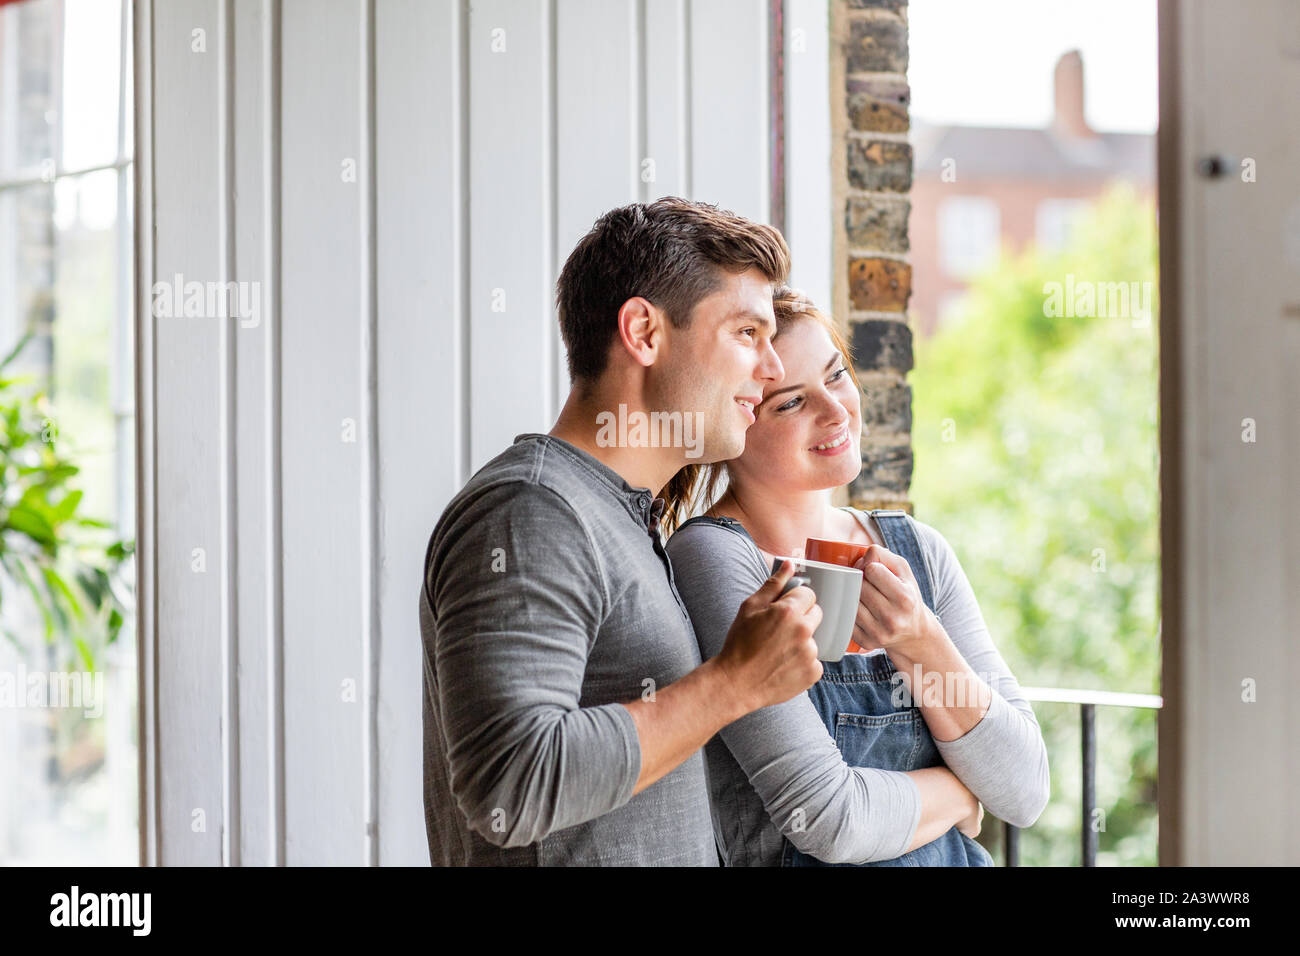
[(1229, 145)]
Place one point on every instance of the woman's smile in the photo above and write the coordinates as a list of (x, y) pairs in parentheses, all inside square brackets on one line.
[(835, 445)]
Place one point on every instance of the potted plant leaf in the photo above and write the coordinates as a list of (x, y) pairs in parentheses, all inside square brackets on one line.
[(73, 567)]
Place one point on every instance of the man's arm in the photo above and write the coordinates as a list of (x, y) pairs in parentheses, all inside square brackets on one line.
[(519, 598), (766, 660)]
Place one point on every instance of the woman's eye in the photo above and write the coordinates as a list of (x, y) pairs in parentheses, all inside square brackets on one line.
[(794, 402)]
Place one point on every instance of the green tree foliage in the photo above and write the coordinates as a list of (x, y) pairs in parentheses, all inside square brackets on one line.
[(1036, 455)]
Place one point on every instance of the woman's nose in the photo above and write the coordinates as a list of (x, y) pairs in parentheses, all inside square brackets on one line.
[(832, 411)]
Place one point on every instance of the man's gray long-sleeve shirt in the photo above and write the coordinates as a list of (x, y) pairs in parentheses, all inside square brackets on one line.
[(778, 758), (547, 601)]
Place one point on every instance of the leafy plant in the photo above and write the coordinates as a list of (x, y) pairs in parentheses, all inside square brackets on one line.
[(70, 565)]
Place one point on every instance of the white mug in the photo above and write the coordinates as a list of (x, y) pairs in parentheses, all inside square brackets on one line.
[(838, 589)]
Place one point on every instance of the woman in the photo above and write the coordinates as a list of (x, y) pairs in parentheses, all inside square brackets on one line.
[(868, 767)]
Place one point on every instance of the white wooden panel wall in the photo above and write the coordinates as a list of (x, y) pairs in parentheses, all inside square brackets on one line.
[(808, 199), (403, 179), (729, 105)]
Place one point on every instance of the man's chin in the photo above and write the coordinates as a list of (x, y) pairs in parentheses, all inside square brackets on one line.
[(735, 449), (732, 446)]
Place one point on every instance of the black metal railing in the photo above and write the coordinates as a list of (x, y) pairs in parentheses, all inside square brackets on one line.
[(1088, 701)]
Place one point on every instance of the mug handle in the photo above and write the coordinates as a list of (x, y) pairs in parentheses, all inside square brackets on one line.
[(796, 580)]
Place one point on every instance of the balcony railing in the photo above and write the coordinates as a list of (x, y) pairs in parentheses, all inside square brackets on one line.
[(1088, 700)]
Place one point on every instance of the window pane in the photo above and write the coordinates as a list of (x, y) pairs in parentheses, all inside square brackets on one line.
[(85, 298), (68, 768), (75, 115), (969, 233), (1055, 221), (91, 67), (28, 111), (27, 271)]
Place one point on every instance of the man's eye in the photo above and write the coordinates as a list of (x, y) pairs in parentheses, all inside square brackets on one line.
[(748, 331)]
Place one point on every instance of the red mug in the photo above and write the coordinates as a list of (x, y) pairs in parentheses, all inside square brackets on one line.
[(836, 552)]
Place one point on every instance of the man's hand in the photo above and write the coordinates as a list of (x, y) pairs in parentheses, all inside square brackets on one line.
[(769, 655)]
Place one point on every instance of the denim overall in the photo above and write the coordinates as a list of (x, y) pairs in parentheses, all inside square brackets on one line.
[(853, 698)]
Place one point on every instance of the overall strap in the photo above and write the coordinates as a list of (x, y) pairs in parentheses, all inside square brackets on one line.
[(900, 538)]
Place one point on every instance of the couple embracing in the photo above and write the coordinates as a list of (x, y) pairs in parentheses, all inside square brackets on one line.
[(596, 696)]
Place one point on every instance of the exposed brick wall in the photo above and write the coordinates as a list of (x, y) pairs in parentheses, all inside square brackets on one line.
[(870, 97)]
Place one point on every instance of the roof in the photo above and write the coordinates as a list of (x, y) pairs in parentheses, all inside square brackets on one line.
[(1025, 153)]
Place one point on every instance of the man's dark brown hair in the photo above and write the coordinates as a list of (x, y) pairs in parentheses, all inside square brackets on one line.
[(671, 252)]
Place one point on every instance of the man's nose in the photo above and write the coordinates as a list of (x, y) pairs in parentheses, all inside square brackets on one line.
[(769, 366)]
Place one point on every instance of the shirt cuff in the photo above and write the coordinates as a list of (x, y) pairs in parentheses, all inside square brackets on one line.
[(631, 768)]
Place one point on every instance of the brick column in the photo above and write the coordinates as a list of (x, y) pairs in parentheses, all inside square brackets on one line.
[(872, 174)]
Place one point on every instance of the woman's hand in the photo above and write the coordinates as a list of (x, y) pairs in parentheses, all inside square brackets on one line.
[(891, 612), (971, 825)]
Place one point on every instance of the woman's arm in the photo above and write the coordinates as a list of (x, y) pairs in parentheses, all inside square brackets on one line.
[(828, 809), (1000, 756), (946, 802)]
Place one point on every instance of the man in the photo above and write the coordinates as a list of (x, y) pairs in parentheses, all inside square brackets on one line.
[(565, 703)]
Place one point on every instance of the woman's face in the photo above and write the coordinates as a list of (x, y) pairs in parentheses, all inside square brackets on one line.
[(814, 406)]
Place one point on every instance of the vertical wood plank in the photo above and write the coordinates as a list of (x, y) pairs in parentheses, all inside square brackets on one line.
[(324, 431), (255, 520), (510, 299), (665, 73), (189, 553), (808, 147), (146, 498), (598, 123), (729, 105), (421, 344)]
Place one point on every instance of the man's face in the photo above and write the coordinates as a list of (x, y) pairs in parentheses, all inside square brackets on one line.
[(723, 359), (809, 428)]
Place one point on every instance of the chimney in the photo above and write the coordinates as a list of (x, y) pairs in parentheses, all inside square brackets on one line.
[(1068, 120)]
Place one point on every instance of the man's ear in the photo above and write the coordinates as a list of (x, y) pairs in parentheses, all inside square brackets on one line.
[(641, 330)]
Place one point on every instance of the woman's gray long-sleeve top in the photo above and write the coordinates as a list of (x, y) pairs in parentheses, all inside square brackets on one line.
[(779, 758)]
